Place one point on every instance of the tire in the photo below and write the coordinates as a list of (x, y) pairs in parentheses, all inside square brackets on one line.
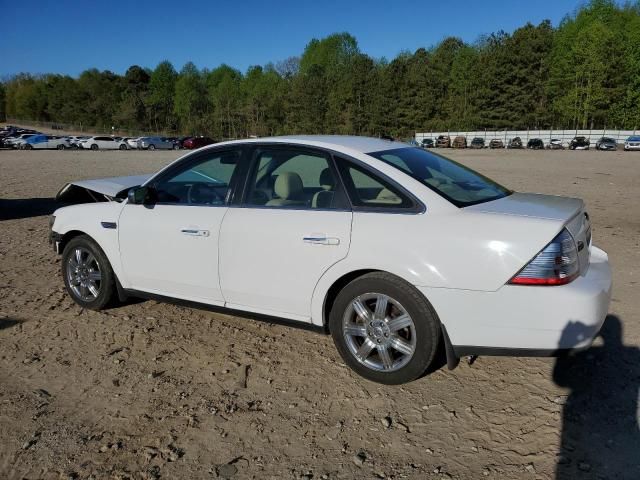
[(123, 147), (152, 147), (60, 147), (94, 146), (27, 147), (92, 263), (176, 147), (418, 337)]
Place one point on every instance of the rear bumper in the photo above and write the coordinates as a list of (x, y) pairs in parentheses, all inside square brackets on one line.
[(527, 320)]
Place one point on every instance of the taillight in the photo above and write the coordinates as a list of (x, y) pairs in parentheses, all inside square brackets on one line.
[(557, 264)]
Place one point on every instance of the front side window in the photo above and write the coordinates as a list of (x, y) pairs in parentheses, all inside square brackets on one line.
[(457, 183), (203, 182), (292, 178)]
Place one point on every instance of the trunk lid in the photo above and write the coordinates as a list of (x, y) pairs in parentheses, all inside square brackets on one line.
[(569, 211)]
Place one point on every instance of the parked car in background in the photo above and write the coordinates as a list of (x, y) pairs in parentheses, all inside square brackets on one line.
[(132, 142), (535, 144), (76, 140), (103, 143), (443, 141), (496, 143), (46, 142), (428, 143), (526, 274), (477, 142), (181, 140), (632, 143), (153, 143), (555, 144), (176, 142), (579, 143), (515, 142), (459, 142), (197, 142), (606, 143), (15, 142)]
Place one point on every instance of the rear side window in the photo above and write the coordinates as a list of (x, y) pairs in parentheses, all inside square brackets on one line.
[(368, 190), (457, 183), (295, 178)]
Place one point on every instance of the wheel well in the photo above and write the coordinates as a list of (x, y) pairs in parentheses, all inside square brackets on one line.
[(67, 237), (333, 291)]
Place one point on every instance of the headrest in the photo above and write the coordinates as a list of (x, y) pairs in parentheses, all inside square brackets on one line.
[(327, 182), (288, 185)]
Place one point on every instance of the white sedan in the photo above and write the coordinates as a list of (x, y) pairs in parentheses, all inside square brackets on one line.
[(41, 141), (103, 143), (395, 250)]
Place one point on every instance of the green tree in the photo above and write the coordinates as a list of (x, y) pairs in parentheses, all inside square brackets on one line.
[(3, 100), (160, 100), (190, 101), (225, 100), (132, 111)]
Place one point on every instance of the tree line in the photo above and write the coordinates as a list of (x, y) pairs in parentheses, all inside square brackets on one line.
[(584, 73)]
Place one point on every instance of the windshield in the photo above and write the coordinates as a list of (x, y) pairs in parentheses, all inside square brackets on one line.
[(458, 184)]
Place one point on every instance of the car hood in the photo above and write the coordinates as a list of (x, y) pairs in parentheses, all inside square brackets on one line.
[(534, 205), (112, 188)]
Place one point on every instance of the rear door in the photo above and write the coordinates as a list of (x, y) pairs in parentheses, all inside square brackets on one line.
[(293, 223)]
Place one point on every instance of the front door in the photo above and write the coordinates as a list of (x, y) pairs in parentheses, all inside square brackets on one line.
[(293, 224), (171, 247)]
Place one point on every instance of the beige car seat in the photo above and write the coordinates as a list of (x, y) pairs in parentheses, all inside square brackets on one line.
[(289, 189), (324, 198), (387, 196)]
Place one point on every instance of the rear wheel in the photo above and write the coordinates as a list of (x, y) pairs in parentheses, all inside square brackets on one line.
[(87, 274), (94, 147), (27, 147), (384, 329), (123, 147), (60, 147)]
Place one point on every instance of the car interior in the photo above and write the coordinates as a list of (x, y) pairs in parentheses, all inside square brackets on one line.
[(290, 179)]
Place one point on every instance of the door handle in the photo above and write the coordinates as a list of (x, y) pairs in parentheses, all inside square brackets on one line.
[(321, 240), (195, 232)]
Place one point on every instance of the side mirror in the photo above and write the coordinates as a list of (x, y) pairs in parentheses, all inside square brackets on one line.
[(141, 195)]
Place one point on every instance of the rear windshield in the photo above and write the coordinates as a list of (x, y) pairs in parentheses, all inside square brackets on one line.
[(458, 184)]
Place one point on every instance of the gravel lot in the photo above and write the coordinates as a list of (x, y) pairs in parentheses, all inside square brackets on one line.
[(151, 390)]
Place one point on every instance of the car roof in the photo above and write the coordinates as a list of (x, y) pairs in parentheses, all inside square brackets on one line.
[(339, 142)]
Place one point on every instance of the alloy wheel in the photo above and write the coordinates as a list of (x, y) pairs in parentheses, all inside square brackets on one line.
[(84, 274), (379, 332)]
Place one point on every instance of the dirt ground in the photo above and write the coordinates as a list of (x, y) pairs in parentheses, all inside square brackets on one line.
[(151, 390)]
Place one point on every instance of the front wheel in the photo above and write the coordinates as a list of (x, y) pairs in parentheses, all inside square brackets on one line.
[(384, 329), (152, 147), (94, 147), (60, 147), (87, 274), (123, 147)]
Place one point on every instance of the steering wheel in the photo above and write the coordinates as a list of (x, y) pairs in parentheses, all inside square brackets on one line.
[(203, 194)]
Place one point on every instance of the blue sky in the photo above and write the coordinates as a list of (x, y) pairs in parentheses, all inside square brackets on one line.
[(65, 36)]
